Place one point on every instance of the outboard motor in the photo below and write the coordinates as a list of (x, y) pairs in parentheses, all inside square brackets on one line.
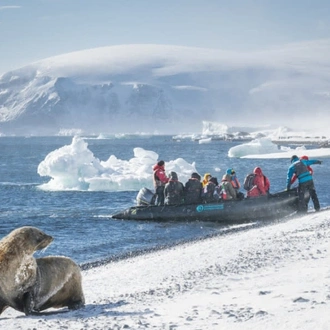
[(145, 197)]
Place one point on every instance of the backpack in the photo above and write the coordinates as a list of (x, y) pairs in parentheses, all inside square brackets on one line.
[(223, 192), (248, 181)]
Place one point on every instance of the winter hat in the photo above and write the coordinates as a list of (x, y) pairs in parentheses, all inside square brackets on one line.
[(173, 176), (226, 177), (161, 163), (196, 176), (214, 180), (294, 158)]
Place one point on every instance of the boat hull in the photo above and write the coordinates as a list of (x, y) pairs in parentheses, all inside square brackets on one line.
[(273, 207)]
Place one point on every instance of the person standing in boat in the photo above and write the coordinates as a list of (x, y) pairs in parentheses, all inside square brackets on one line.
[(258, 185), (305, 181), (235, 183), (159, 179), (193, 189), (174, 190)]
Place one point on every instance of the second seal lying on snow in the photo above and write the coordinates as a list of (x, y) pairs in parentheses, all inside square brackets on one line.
[(58, 285), (28, 284)]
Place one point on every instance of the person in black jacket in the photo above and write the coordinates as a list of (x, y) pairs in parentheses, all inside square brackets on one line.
[(210, 192), (173, 191), (193, 189)]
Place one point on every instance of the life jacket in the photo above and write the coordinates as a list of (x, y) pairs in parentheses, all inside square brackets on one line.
[(235, 183), (224, 194)]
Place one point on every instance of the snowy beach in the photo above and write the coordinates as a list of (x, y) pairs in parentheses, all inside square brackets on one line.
[(271, 277)]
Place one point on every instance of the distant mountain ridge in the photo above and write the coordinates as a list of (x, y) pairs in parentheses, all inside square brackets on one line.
[(164, 89)]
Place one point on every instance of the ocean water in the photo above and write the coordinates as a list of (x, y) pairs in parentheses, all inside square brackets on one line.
[(80, 221)]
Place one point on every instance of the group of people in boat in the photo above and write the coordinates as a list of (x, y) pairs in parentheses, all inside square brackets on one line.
[(170, 191)]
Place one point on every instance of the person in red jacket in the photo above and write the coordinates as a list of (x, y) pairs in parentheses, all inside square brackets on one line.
[(160, 179), (260, 184)]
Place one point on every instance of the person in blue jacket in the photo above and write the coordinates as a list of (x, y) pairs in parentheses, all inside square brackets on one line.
[(305, 181)]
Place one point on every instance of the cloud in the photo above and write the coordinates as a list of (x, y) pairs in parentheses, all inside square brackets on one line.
[(322, 26), (9, 7)]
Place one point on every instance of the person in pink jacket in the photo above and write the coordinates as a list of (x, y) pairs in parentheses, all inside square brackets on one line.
[(260, 184), (160, 179)]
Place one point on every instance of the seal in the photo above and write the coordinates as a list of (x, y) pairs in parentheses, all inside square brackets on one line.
[(18, 267), (32, 285), (58, 285)]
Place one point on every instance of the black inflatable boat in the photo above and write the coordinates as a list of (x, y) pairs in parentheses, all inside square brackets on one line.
[(274, 206)]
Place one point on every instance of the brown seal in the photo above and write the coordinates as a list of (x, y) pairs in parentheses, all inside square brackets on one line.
[(18, 267), (58, 285), (31, 285)]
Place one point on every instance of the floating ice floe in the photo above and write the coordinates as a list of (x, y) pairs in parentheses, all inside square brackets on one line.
[(74, 167)]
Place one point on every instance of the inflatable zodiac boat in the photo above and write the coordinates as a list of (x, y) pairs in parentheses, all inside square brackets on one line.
[(274, 206)]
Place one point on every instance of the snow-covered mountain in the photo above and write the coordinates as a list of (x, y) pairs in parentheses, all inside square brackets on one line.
[(166, 89)]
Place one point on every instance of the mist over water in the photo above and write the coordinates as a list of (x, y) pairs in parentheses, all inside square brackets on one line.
[(167, 90)]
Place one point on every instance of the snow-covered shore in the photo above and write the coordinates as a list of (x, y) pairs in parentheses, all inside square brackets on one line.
[(272, 277)]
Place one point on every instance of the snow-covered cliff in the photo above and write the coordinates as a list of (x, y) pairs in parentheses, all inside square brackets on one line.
[(165, 89)]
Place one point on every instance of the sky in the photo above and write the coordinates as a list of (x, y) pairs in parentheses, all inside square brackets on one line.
[(268, 277), (36, 29)]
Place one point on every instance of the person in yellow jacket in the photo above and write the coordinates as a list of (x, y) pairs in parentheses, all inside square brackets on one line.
[(206, 178)]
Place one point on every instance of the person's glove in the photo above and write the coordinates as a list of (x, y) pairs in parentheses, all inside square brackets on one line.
[(319, 162)]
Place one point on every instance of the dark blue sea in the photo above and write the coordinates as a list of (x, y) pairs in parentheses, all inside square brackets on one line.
[(80, 221)]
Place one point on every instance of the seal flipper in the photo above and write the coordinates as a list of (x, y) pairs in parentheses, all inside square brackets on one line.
[(3, 306), (28, 303), (76, 305)]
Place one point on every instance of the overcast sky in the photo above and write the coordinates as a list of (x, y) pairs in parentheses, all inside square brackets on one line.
[(35, 29)]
